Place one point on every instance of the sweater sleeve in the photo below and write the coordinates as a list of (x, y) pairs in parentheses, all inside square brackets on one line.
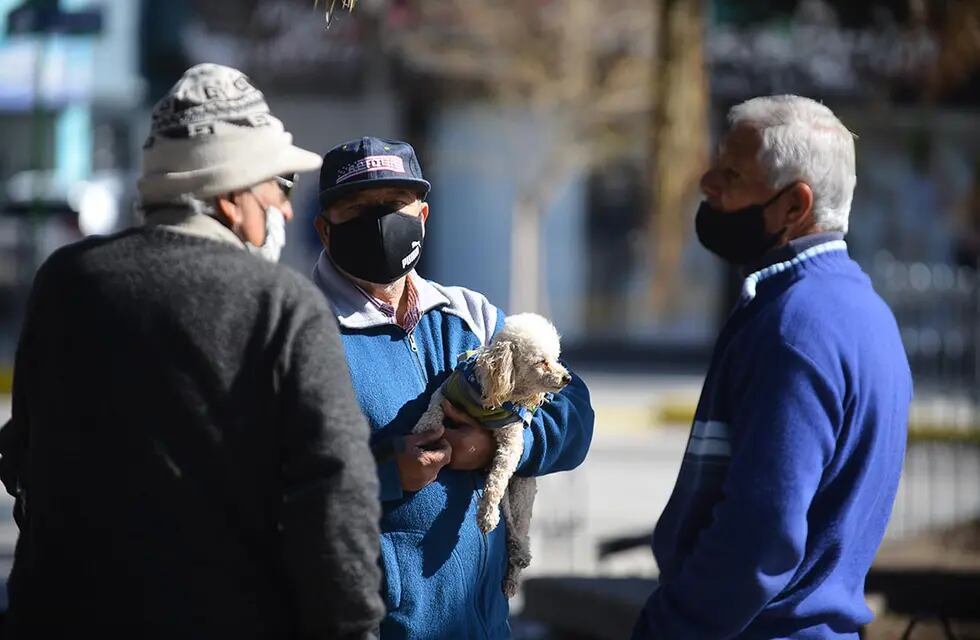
[(330, 511), (560, 433), (783, 431)]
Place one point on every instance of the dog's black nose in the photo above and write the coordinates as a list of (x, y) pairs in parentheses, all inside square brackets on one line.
[(565, 379)]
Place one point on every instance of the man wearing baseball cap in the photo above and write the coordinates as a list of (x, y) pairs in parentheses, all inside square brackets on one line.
[(186, 452), (402, 335)]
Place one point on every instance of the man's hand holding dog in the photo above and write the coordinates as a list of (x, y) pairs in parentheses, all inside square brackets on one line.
[(472, 443), (421, 456)]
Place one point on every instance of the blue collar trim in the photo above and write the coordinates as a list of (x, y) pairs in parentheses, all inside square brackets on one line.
[(751, 283)]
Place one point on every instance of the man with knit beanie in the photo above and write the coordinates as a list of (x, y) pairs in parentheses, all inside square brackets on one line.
[(794, 457), (186, 453)]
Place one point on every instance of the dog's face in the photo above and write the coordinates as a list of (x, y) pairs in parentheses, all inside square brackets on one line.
[(521, 363)]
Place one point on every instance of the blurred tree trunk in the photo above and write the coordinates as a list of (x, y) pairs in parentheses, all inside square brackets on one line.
[(562, 159), (528, 246), (526, 284), (678, 137), (577, 71), (959, 53)]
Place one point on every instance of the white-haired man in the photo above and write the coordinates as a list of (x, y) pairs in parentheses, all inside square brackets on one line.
[(794, 457), (186, 453)]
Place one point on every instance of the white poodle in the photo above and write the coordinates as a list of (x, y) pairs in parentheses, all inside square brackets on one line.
[(501, 385)]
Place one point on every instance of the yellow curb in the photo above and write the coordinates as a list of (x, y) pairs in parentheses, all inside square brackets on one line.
[(677, 412), (645, 417), (626, 419), (937, 432), (6, 379)]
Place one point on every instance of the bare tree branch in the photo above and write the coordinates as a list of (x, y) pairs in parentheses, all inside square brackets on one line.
[(582, 68)]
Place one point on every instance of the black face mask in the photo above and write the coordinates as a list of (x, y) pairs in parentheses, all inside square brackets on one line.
[(380, 245), (737, 236)]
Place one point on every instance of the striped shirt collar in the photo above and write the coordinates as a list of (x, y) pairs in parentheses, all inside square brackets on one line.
[(412, 313)]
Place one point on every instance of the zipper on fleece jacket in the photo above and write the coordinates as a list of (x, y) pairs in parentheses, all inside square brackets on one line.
[(414, 348), (484, 554)]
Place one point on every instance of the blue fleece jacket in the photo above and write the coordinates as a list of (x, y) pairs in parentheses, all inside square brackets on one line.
[(443, 576), (792, 464)]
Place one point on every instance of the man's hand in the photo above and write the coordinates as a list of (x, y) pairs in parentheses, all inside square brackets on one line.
[(420, 457), (473, 444)]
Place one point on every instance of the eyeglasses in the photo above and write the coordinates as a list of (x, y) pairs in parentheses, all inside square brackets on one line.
[(287, 183)]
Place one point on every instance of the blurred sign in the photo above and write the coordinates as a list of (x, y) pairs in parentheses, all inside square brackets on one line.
[(813, 53), (95, 202), (63, 77), (35, 18)]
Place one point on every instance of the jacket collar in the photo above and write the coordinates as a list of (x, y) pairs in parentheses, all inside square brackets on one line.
[(353, 308)]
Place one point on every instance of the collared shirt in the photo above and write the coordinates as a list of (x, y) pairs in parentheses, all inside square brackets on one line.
[(357, 311), (413, 311)]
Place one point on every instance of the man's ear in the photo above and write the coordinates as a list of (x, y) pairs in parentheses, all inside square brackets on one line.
[(228, 212), (801, 205), (424, 211), (322, 229)]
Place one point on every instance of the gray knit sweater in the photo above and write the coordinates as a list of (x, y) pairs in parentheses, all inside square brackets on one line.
[(185, 448)]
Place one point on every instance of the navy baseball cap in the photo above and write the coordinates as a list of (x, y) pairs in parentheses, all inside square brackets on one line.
[(368, 163)]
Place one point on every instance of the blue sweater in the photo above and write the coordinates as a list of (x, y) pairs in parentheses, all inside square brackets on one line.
[(792, 464), (443, 576)]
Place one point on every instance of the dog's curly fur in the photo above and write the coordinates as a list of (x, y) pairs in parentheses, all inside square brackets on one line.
[(519, 366)]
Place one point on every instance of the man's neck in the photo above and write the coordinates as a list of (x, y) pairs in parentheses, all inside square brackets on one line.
[(392, 293), (788, 250)]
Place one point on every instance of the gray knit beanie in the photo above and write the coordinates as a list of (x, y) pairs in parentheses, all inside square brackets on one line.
[(213, 134)]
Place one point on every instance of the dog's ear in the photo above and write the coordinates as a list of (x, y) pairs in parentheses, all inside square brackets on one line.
[(495, 373)]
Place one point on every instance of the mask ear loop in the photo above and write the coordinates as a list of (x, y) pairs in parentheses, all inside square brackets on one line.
[(779, 193)]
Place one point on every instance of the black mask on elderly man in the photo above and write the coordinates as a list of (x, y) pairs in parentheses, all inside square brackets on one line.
[(738, 236), (380, 245)]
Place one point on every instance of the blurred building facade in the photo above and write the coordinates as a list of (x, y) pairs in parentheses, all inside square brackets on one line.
[(69, 85), (84, 114)]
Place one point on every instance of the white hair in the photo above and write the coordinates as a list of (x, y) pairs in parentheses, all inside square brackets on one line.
[(803, 140)]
